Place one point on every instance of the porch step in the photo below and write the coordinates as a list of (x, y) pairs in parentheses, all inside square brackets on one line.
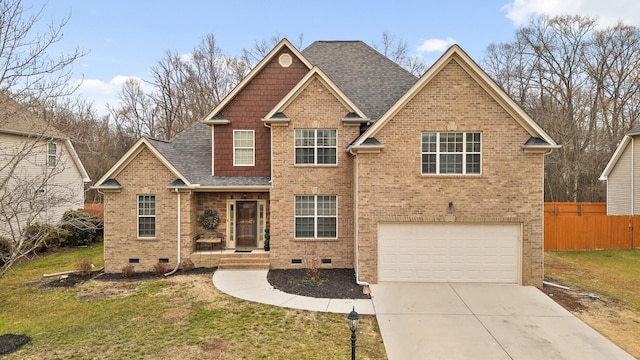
[(245, 261)]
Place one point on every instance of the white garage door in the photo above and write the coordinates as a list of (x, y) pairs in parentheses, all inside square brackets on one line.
[(449, 252)]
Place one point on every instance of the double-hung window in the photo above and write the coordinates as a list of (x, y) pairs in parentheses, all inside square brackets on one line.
[(243, 148), (146, 216), (316, 146), (451, 153), (52, 153), (316, 216)]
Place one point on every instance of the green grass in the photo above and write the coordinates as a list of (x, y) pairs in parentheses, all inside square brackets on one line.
[(613, 273), (179, 317)]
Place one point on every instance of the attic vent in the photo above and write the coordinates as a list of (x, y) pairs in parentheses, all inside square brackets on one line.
[(285, 60)]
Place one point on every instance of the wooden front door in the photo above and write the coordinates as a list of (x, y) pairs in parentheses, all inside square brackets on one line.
[(246, 225)]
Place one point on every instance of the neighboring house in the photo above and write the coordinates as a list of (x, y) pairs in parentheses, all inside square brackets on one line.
[(41, 175), (622, 175), (351, 162)]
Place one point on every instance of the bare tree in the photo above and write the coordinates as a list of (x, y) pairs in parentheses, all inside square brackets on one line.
[(136, 114), (31, 74), (397, 51), (581, 84)]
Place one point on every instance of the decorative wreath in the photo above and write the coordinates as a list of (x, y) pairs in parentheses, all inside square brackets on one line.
[(210, 219)]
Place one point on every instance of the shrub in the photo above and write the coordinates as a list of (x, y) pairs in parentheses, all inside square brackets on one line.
[(82, 228), (187, 265), (128, 271), (160, 269), (84, 266), (5, 250), (44, 236)]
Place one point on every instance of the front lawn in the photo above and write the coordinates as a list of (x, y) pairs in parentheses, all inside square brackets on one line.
[(182, 316)]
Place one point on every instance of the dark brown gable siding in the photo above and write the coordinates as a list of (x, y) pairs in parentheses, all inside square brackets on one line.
[(246, 111)]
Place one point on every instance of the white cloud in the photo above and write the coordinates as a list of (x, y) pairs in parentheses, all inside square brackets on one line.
[(608, 12), (435, 45), (102, 93)]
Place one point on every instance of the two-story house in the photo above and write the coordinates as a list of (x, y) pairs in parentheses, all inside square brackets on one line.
[(41, 175), (350, 162)]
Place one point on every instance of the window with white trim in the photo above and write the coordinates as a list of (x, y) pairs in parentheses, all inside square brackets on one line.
[(452, 153), (243, 148), (316, 216), (316, 146), (52, 154), (146, 216)]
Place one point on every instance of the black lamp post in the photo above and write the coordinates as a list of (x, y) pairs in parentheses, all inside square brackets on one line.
[(353, 326)]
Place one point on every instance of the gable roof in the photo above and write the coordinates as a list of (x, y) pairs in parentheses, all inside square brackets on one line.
[(316, 73), (15, 119), (474, 70), (626, 140), (371, 80), (188, 157), (255, 71)]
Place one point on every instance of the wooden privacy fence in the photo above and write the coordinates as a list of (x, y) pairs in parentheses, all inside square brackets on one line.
[(586, 226)]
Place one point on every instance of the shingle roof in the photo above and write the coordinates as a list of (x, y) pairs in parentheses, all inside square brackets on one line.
[(15, 118), (372, 81), (190, 153)]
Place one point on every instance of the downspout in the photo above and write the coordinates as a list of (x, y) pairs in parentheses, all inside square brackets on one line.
[(633, 164), (179, 240), (357, 222)]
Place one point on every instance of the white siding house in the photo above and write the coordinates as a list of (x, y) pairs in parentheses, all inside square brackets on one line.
[(622, 175), (41, 175)]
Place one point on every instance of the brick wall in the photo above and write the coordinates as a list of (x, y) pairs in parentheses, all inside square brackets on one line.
[(315, 107), (144, 175), (510, 189)]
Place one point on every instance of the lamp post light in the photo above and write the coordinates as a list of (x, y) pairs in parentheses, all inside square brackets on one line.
[(353, 318)]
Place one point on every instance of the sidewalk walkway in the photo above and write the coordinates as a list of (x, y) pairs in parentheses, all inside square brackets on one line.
[(252, 285)]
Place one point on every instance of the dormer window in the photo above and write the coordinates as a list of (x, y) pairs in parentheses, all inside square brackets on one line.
[(243, 148)]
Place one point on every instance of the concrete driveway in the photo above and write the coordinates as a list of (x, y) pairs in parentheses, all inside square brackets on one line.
[(468, 321)]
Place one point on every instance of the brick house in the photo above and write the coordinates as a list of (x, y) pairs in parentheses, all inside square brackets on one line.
[(350, 162)]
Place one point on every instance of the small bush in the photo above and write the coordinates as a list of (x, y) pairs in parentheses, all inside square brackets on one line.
[(84, 266), (82, 228), (160, 269), (187, 265), (128, 271)]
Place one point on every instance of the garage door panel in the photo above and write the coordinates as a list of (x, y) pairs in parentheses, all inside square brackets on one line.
[(449, 252)]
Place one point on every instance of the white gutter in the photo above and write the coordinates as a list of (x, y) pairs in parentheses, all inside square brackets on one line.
[(357, 229), (179, 240)]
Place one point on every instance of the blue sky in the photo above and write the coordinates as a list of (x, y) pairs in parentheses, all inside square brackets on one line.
[(126, 38)]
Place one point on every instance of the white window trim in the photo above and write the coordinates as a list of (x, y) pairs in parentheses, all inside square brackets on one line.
[(53, 155), (463, 153), (315, 218), (138, 216), (315, 148), (253, 148)]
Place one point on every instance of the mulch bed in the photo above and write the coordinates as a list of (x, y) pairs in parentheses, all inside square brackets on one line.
[(11, 343), (331, 283)]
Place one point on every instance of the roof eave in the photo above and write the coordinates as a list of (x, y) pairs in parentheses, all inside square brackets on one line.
[(365, 149)]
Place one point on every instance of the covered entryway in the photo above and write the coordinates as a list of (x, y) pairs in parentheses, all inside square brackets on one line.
[(449, 252)]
